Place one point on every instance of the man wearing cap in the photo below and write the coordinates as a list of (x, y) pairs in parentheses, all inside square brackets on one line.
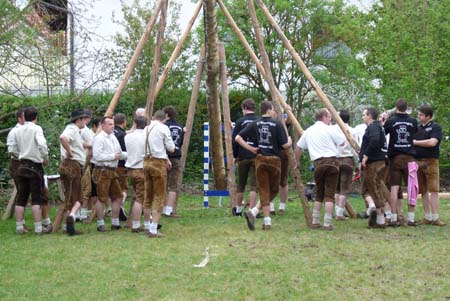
[(33, 154), (73, 159), (106, 154)]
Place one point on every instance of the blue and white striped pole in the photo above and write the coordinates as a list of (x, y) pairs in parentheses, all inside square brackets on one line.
[(205, 164)]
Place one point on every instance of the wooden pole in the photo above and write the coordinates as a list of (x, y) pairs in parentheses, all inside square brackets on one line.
[(133, 61), (258, 65), (308, 75), (227, 125), (151, 96), (190, 117), (273, 89), (9, 208), (177, 49)]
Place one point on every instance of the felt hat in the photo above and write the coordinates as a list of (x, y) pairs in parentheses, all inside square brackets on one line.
[(78, 113)]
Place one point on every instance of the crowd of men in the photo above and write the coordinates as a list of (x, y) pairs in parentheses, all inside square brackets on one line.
[(98, 164), (411, 158)]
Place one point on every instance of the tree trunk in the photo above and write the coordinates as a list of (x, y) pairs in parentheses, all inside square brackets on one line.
[(212, 94)]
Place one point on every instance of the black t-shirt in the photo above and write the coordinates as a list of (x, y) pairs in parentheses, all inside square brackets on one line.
[(177, 133), (241, 123), (374, 143), (120, 135), (424, 132), (401, 129), (268, 133)]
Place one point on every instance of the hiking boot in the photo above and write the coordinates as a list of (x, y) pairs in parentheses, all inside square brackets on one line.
[(102, 229), (266, 227), (341, 218), (378, 226), (412, 224), (315, 226), (155, 235), (362, 214), (22, 231), (250, 220), (426, 222), (393, 224), (70, 224), (273, 212), (115, 227), (438, 222), (281, 211), (328, 228), (49, 227), (137, 230)]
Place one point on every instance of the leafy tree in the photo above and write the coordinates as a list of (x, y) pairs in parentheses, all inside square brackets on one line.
[(135, 19), (310, 26)]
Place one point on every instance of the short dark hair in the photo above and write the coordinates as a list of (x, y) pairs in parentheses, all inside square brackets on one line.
[(20, 113), (120, 118), (265, 106), (140, 122), (96, 121), (321, 113), (345, 115), (30, 113), (170, 111), (426, 110), (372, 112), (401, 105), (249, 104), (159, 115)]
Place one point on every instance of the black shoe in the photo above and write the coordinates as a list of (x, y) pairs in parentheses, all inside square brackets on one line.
[(102, 229), (373, 218), (122, 215), (114, 227), (233, 211), (70, 224), (238, 213)]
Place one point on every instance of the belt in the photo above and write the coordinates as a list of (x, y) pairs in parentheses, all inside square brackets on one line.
[(104, 167), (150, 157)]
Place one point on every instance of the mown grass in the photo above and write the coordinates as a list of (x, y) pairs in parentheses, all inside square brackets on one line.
[(290, 262)]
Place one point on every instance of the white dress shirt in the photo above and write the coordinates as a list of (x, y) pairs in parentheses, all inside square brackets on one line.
[(159, 140), (345, 150), (73, 135), (11, 142), (321, 141), (135, 145), (104, 148), (31, 142)]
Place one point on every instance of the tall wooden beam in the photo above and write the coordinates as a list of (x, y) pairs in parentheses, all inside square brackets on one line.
[(151, 95), (177, 49), (322, 96), (258, 64), (134, 59), (273, 89), (190, 116), (227, 125)]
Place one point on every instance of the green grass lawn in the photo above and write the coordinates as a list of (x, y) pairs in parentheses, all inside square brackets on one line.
[(288, 262)]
